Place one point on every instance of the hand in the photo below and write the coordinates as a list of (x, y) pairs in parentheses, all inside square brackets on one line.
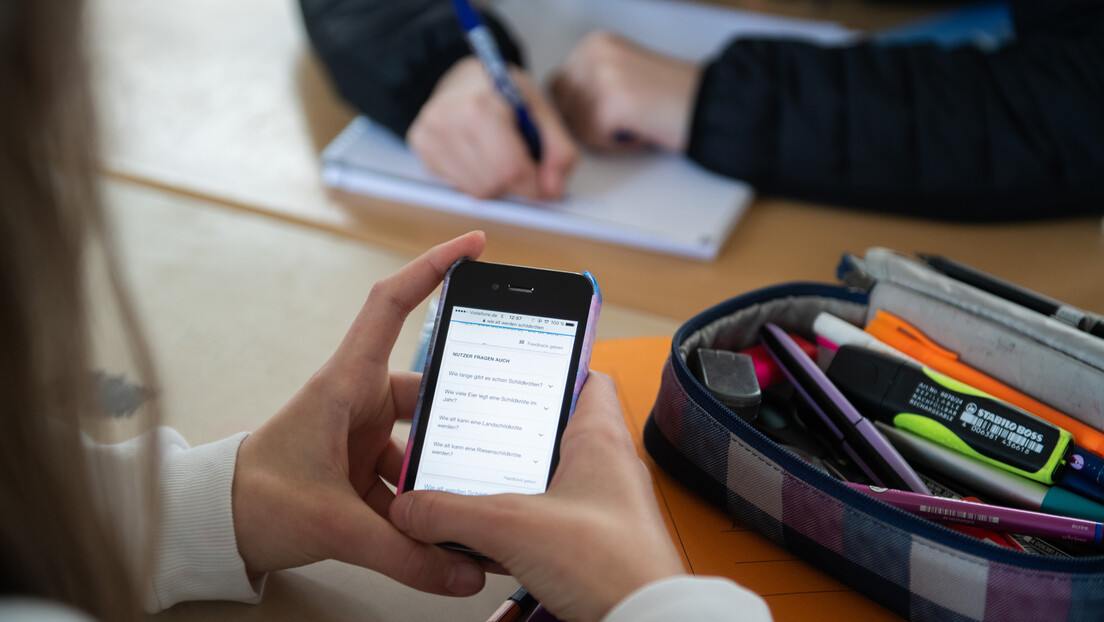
[(616, 95), (309, 484), (591, 540), (467, 134)]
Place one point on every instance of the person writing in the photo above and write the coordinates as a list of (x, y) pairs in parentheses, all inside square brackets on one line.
[(958, 134), (92, 530), (418, 78)]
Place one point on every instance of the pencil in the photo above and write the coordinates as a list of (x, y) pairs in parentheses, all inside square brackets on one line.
[(514, 607)]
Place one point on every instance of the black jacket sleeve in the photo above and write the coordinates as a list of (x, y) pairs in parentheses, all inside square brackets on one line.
[(958, 134), (385, 56)]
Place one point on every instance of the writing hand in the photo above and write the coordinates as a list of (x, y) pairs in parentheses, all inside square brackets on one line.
[(467, 134)]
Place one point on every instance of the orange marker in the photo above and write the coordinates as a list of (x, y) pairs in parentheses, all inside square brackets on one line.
[(895, 332)]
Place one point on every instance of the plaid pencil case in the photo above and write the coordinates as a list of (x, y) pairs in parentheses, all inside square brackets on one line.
[(919, 569)]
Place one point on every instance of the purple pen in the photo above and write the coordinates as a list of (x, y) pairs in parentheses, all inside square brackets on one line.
[(858, 436), (995, 517)]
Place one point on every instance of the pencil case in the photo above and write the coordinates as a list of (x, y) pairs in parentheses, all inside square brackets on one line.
[(916, 568)]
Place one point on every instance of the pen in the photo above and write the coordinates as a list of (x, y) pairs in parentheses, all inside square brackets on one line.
[(514, 607), (483, 43), (902, 336), (1005, 540), (856, 434), (997, 518), (1073, 316)]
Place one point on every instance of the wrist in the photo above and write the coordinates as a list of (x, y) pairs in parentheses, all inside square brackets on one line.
[(682, 106), (630, 576), (637, 587), (239, 507)]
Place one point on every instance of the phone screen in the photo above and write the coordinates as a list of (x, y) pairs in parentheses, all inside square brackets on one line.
[(495, 413)]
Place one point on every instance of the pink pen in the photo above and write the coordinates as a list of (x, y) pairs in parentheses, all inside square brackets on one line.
[(995, 517)]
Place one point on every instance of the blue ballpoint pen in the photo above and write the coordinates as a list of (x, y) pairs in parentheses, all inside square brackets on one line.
[(483, 43)]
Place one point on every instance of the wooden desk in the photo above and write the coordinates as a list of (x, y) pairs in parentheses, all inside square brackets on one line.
[(220, 107)]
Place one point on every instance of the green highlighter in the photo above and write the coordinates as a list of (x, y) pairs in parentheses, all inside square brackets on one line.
[(945, 411)]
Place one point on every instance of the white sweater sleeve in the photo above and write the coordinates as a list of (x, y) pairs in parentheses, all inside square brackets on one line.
[(691, 598), (195, 556), (197, 553)]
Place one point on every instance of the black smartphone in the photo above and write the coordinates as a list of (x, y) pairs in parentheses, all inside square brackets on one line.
[(508, 356)]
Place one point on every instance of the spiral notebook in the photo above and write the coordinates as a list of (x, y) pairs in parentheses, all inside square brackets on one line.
[(656, 201)]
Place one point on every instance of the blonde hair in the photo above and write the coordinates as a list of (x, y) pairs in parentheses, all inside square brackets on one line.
[(54, 540)]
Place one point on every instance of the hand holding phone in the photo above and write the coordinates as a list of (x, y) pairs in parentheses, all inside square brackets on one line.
[(508, 357), (313, 478), (596, 537)]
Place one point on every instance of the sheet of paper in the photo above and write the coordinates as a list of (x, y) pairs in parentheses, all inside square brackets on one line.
[(656, 201), (689, 30), (648, 201)]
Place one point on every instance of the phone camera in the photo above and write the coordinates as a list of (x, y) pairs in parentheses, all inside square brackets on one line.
[(494, 287)]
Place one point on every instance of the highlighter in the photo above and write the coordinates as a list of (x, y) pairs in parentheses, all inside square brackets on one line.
[(990, 482), (900, 335), (945, 411)]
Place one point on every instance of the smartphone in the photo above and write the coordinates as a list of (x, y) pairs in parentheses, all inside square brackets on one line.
[(508, 356)]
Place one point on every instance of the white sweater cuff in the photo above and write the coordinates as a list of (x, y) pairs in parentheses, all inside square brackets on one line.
[(691, 598), (198, 552)]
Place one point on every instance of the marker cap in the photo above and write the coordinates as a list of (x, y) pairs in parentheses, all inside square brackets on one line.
[(867, 379)]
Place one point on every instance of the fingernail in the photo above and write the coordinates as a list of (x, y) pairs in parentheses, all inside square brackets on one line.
[(464, 579)]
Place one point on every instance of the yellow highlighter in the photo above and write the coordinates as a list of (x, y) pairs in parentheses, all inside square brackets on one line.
[(895, 332)]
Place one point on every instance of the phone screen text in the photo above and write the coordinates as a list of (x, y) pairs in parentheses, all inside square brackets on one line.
[(496, 409)]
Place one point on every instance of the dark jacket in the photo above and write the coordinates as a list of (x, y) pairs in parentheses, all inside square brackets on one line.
[(956, 134)]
